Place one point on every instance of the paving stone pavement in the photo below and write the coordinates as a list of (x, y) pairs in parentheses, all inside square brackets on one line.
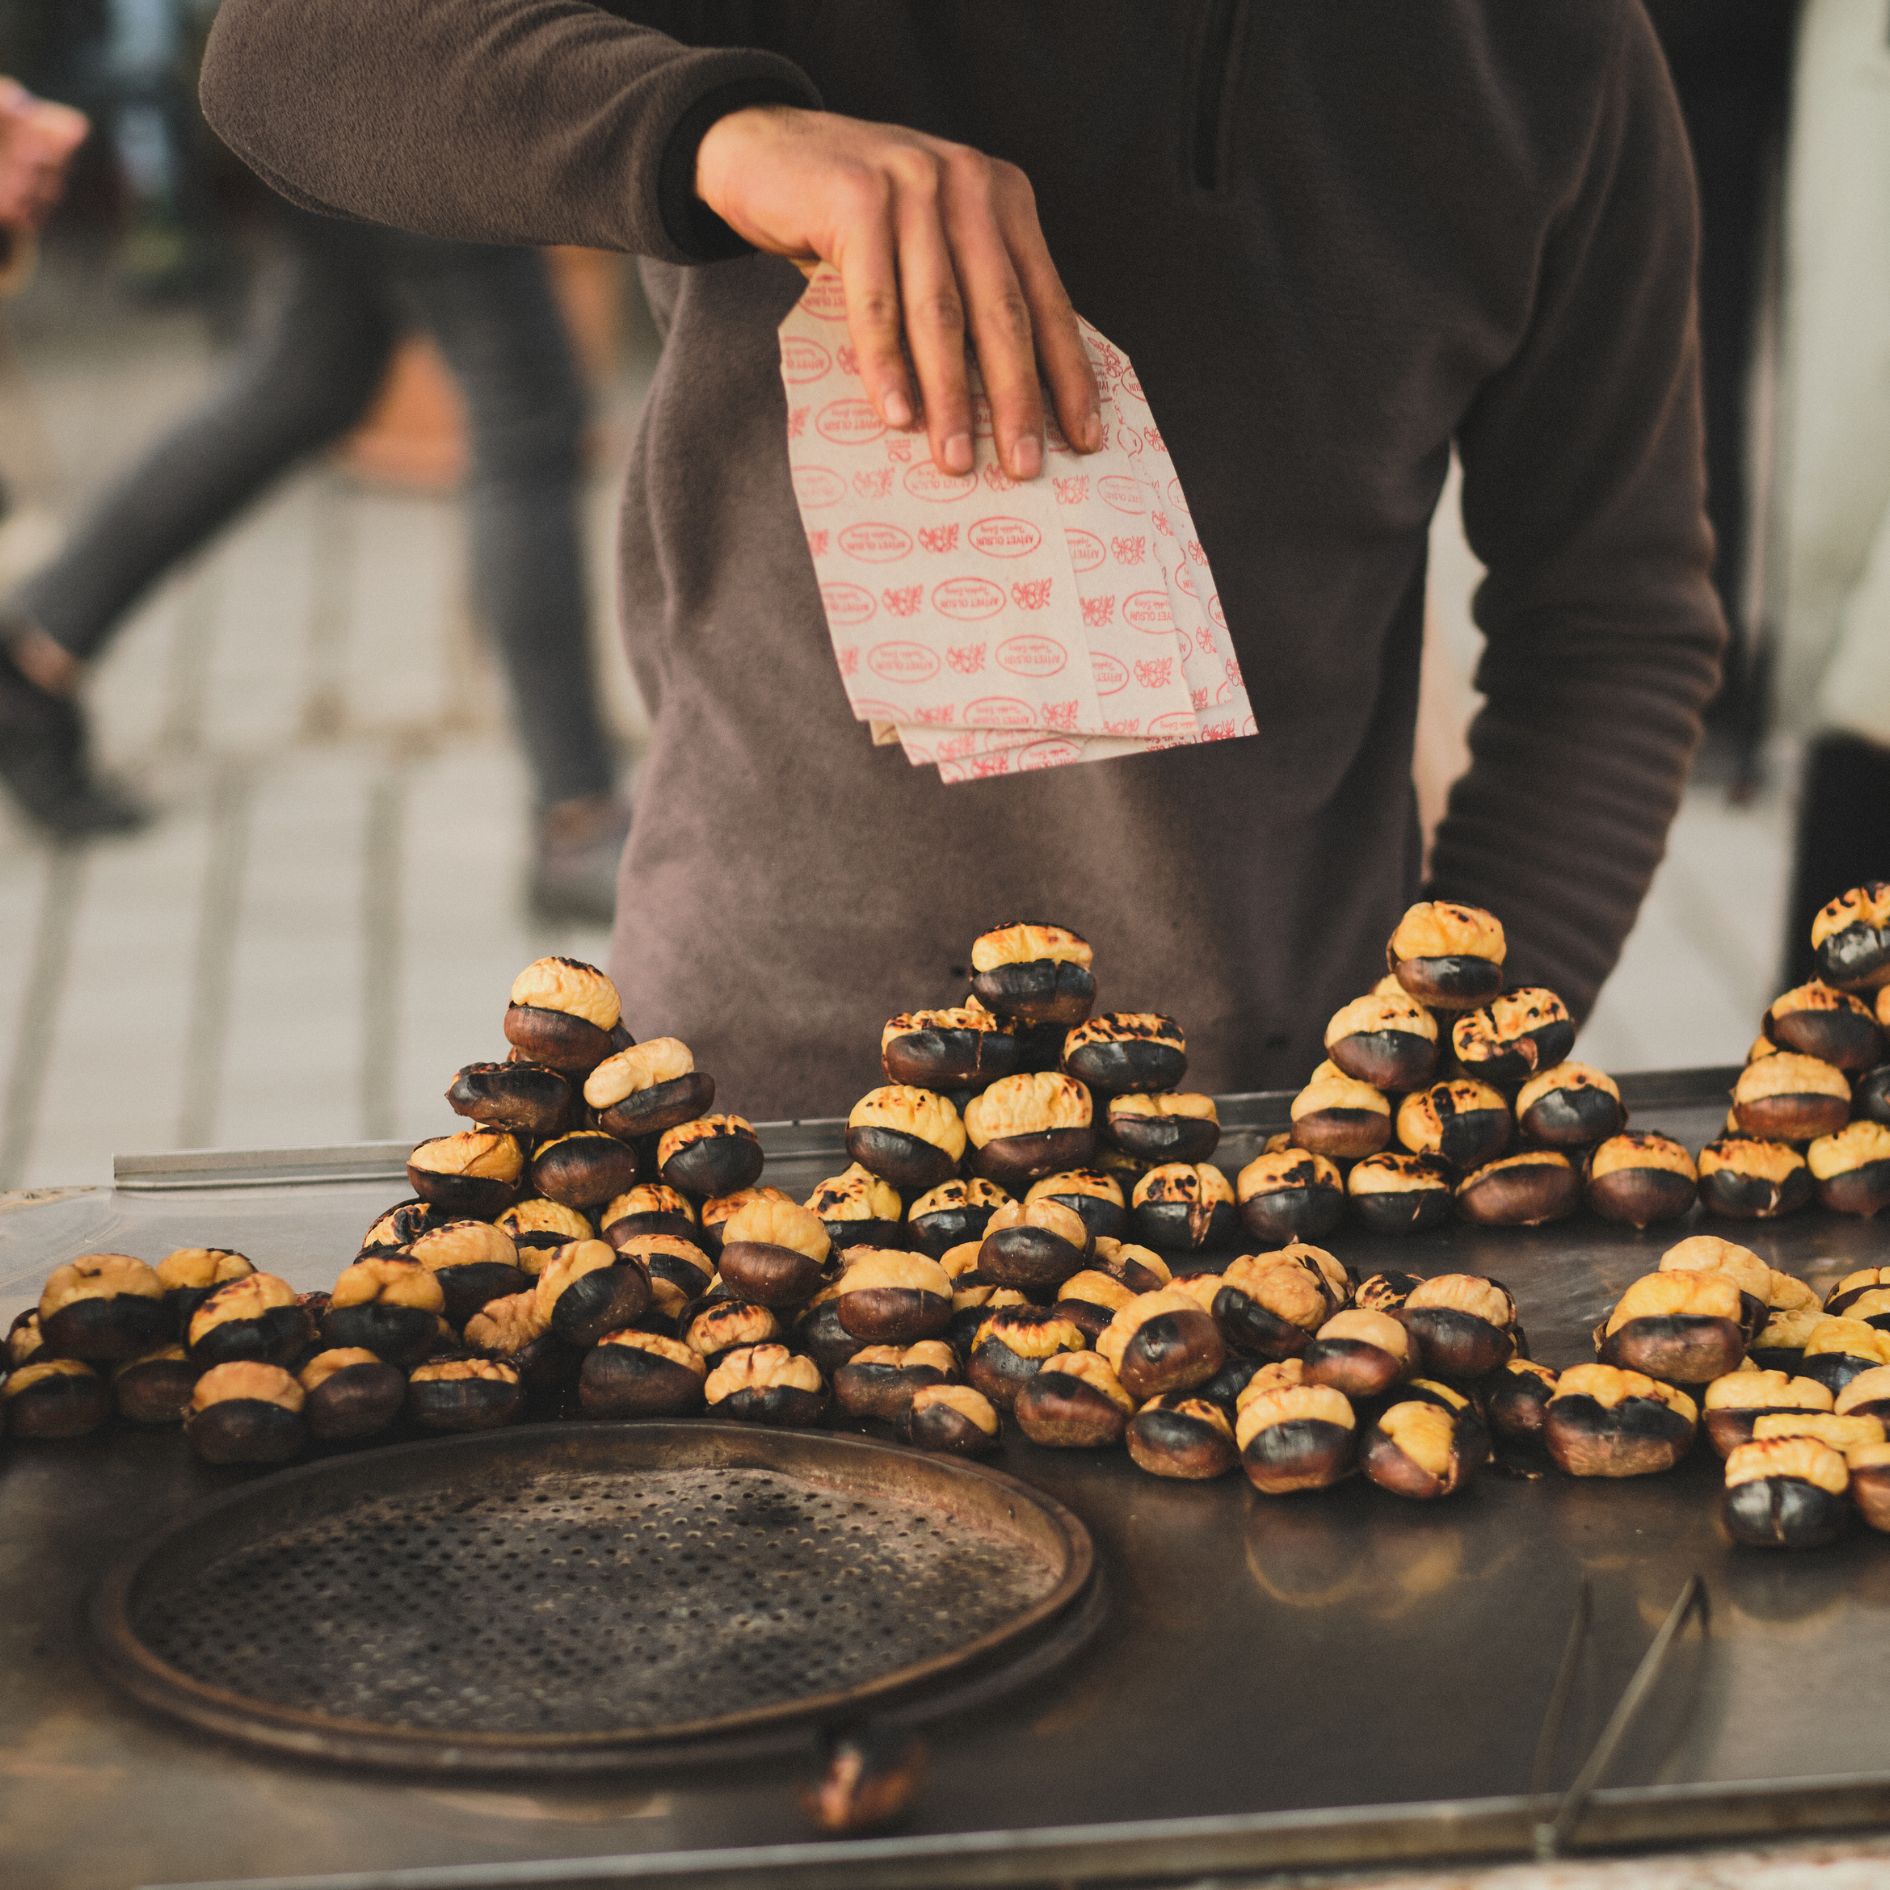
[(324, 924)]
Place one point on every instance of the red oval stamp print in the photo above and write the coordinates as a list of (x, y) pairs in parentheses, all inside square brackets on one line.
[(849, 422), (1149, 611), (816, 486), (847, 603), (803, 359), (1031, 655), (925, 481), (902, 662), (967, 598), (875, 544), (1004, 537)]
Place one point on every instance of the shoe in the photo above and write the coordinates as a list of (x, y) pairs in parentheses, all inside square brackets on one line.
[(45, 767), (574, 869)]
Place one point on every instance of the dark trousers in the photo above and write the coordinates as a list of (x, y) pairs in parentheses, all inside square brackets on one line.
[(331, 308), (1843, 836)]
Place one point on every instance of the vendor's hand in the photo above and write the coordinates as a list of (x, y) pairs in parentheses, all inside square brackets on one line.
[(37, 140), (933, 241)]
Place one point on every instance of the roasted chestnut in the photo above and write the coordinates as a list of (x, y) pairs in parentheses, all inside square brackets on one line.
[(1012, 1344), (1123, 1051), (1851, 1168), (1090, 1299), (1033, 973), (722, 1323), (1791, 1098), (1687, 1328), (245, 1411), (1516, 1402), (189, 1275), (1448, 956), (1758, 1284), (474, 1262), (869, 1777), (1290, 1194), (1607, 1422), (539, 1225), (523, 1098), (1465, 1325), (956, 1418), (349, 1392), (1025, 1127), (1870, 1092), (945, 1217), (1838, 1349), (1416, 1449), (1299, 1437), (474, 1173), (1853, 1286), (648, 1088), (1459, 1122), (1526, 1190), (1399, 1194), (515, 1331), (640, 1374), (974, 1298), (1387, 1039), (766, 1384), (1140, 1269), (857, 1209), (25, 1346), (1749, 1180), (719, 1209), (1642, 1178), (878, 1381), (1869, 1467), (1850, 938), (1034, 1246), (651, 1207), (1184, 1207), (1513, 1036), (1851, 1432), (961, 1048), (1094, 1197), (891, 1297), (1573, 1105), (155, 1388), (1785, 1493), (1162, 1341), (1779, 1344), (464, 1394), (1182, 1435), (588, 1289), (1076, 1402), (1385, 1291), (1866, 1395), (1732, 1405), (396, 1226), (104, 1306), (1269, 1305), (710, 1155), (910, 1137), (386, 1304), (1817, 1021), (257, 1318), (774, 1252), (564, 1013), (1166, 1126), (54, 1398), (1337, 1116), (1363, 1354), (584, 1169)]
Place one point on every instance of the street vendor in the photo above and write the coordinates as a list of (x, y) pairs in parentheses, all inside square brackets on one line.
[(1337, 242)]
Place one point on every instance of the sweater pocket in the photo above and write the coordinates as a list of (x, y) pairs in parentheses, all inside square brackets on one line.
[(1215, 60)]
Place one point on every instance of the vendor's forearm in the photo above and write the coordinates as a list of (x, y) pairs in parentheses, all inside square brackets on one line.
[(523, 121)]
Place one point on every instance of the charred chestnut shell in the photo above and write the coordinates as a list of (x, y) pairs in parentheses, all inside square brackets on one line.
[(258, 1318), (1399, 1194), (349, 1393), (1269, 1305), (397, 1227), (104, 1306), (651, 1207), (1011, 1347), (1034, 973), (583, 1170), (388, 1305), (524, 1098), (1447, 955), (889, 1297), (1851, 1169), (1121, 1051), (1094, 1196), (1683, 1327), (565, 1014), (1162, 1341), (1290, 1194), (947, 1216), (959, 1048), (1513, 1036), (1416, 1449), (1302, 1437), (766, 1384), (246, 1412), (590, 1288), (953, 1418), (1605, 1422), (1387, 1039), (640, 1374), (648, 1088), (1384, 1291), (1641, 1179), (1785, 1493), (1184, 1207), (1850, 938), (1459, 1122), (474, 1173), (1338, 1116), (1516, 1403), (1735, 1403), (1572, 1105), (156, 1388), (54, 1398), (1818, 1021), (1464, 1325), (1526, 1190), (474, 1263), (878, 1381), (1363, 1354), (1034, 1246), (1090, 1299), (775, 1253), (464, 1394), (1791, 1098), (1169, 1126), (1182, 1435), (711, 1155), (1027, 1126), (912, 1138)]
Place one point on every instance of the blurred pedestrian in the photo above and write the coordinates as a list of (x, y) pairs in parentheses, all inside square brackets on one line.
[(337, 299)]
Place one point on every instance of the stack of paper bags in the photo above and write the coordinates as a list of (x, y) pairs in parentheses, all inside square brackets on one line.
[(989, 625)]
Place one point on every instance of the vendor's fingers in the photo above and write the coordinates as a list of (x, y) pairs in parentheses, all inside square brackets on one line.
[(935, 318), (869, 273), (1059, 343), (998, 315)]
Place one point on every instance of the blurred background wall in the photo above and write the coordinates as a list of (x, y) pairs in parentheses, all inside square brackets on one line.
[(321, 919)]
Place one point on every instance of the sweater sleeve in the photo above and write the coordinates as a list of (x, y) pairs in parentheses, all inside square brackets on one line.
[(1584, 496), (499, 121)]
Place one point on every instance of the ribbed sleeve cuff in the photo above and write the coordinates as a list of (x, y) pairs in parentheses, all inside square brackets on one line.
[(699, 235)]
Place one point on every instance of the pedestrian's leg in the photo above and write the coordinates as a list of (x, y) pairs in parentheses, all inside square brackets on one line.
[(1842, 836), (500, 329)]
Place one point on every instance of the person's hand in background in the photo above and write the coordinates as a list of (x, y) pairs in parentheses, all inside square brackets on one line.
[(37, 140), (936, 244)]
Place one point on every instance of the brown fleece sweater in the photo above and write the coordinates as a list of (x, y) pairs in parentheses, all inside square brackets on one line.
[(1336, 236)]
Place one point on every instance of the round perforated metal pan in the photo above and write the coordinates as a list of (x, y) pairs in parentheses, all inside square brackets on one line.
[(582, 1596)]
